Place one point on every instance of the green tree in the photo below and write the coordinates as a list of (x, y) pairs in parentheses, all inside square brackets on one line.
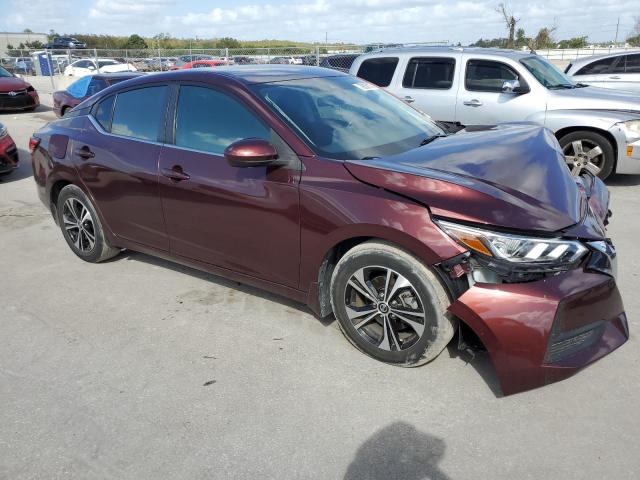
[(575, 42), (544, 39), (227, 42), (634, 41), (521, 39), (135, 42)]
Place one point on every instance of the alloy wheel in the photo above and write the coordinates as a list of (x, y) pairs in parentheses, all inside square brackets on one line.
[(584, 155), (79, 225), (384, 308)]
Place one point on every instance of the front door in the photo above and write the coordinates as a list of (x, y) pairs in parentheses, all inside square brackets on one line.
[(241, 219), (481, 100)]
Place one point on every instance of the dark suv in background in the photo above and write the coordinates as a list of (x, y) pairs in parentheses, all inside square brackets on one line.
[(64, 43)]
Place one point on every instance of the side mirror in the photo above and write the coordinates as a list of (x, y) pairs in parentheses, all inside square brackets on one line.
[(513, 86), (250, 152)]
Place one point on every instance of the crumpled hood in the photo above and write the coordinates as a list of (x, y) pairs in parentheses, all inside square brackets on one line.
[(10, 84), (512, 176), (593, 98)]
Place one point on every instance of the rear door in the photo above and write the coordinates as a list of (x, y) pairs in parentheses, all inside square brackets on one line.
[(480, 99), (241, 219), (630, 80), (429, 83), (117, 159)]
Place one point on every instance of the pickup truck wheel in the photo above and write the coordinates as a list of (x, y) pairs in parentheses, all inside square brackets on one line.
[(390, 306), (586, 150)]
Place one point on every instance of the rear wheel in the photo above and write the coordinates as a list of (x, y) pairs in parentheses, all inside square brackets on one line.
[(586, 150), (391, 306), (81, 226)]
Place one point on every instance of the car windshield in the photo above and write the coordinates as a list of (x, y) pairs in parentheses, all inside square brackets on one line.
[(346, 118), (4, 73), (546, 73)]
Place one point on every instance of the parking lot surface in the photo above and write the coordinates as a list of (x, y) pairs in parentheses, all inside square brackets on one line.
[(141, 368)]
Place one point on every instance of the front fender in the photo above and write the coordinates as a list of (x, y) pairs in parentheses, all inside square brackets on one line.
[(594, 119)]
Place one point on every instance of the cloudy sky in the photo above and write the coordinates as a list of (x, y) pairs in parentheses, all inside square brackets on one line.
[(359, 21)]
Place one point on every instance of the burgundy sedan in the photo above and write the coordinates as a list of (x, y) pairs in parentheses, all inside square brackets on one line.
[(80, 90), (15, 93), (321, 187), (8, 152)]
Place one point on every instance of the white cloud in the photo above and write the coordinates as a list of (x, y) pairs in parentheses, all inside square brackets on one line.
[(359, 21)]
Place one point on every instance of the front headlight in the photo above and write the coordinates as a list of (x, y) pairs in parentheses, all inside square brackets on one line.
[(631, 128), (3, 130), (521, 251)]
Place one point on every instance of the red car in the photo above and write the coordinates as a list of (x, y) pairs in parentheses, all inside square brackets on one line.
[(326, 189), (202, 64), (8, 152), (83, 88), (15, 93)]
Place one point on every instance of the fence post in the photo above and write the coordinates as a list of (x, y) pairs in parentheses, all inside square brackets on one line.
[(317, 56), (160, 59), (226, 55), (95, 58), (268, 54), (126, 58)]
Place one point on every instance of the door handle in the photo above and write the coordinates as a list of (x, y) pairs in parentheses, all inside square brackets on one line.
[(175, 173), (472, 103), (85, 153), (409, 99), (615, 77)]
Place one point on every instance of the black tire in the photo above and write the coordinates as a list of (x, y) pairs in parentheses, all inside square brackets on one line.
[(406, 346), (605, 162), (69, 210)]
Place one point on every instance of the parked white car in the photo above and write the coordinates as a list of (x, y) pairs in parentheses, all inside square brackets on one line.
[(620, 71), (598, 129), (80, 68)]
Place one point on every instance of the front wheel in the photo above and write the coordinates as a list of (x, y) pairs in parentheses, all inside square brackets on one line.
[(391, 306), (586, 150)]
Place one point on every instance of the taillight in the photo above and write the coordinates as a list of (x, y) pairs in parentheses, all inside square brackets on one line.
[(33, 144)]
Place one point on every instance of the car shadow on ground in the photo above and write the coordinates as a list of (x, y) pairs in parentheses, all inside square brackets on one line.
[(210, 277), (481, 363), (24, 169), (623, 180), (398, 451)]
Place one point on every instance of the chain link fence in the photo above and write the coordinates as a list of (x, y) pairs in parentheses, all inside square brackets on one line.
[(339, 57)]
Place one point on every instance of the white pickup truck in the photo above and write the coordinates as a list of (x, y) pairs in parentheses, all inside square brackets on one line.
[(598, 129)]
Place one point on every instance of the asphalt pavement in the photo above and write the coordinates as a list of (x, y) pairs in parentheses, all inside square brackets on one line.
[(139, 368)]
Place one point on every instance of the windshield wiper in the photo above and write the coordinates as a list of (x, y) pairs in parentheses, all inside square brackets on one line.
[(431, 139), (561, 85), (369, 158)]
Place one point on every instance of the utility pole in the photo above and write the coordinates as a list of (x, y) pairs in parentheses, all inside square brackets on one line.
[(615, 43)]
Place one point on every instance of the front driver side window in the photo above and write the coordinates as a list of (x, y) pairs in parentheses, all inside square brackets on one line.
[(208, 120), (487, 76)]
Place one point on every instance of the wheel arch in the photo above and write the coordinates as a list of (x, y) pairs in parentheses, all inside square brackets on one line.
[(605, 133)]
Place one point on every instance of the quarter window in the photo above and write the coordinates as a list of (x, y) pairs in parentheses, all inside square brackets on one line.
[(378, 71), (435, 73), (140, 113), (487, 76), (102, 112), (210, 121)]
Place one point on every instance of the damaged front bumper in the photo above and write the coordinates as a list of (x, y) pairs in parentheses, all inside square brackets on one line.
[(544, 331)]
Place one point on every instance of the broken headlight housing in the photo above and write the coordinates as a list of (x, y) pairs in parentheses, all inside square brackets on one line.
[(505, 257)]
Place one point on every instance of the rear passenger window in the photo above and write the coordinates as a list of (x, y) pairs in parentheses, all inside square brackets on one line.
[(378, 70), (102, 112), (436, 73), (487, 76), (96, 85), (140, 113), (210, 121)]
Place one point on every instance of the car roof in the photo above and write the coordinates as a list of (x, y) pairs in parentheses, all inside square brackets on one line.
[(246, 74), (585, 60), (117, 75), (421, 49)]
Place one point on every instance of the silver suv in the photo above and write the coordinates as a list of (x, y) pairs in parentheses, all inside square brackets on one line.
[(620, 71), (598, 129)]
